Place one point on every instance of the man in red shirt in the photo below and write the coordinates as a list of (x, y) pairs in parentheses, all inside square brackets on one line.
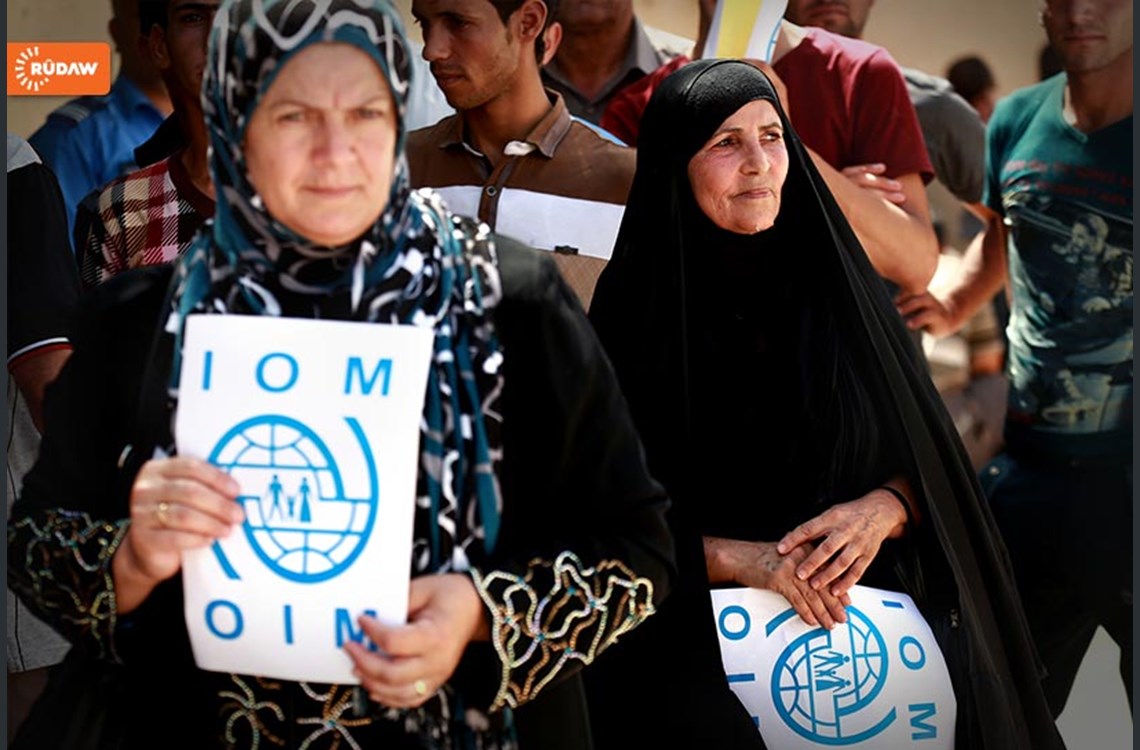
[(849, 104)]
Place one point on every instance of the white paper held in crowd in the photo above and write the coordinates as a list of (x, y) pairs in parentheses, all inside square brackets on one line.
[(318, 421), (877, 681), (745, 28)]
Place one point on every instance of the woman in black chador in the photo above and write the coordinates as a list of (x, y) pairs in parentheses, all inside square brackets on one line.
[(780, 402)]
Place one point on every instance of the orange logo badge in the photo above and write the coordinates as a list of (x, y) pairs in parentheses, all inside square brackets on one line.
[(59, 68)]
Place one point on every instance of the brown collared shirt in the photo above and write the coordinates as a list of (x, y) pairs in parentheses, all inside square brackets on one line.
[(561, 188)]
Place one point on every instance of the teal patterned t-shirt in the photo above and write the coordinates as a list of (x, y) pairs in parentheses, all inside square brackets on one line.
[(1066, 197)]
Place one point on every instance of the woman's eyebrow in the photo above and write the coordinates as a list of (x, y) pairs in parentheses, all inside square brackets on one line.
[(289, 102), (722, 131), (774, 125)]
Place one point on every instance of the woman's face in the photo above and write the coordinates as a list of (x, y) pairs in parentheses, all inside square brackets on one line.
[(737, 175), (321, 144)]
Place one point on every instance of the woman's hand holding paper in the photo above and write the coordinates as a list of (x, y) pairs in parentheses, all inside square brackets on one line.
[(445, 613), (176, 504)]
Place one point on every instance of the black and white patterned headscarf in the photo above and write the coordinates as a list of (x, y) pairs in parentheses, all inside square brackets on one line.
[(417, 265)]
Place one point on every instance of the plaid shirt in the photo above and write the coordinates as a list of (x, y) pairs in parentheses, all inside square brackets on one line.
[(144, 218)]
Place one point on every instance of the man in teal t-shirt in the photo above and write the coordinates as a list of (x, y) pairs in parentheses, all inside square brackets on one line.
[(1059, 230)]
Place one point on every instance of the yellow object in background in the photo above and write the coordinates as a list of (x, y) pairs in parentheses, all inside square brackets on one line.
[(736, 21), (745, 28)]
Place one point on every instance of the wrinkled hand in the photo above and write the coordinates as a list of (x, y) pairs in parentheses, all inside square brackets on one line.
[(871, 177), (177, 504), (759, 565), (445, 613), (852, 534), (926, 312)]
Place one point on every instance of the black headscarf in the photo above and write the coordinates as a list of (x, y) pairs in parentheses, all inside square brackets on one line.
[(864, 410), (674, 274)]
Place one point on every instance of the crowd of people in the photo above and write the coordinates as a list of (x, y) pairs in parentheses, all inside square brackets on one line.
[(678, 309)]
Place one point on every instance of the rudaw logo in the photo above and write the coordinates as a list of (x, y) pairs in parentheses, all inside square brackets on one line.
[(59, 68)]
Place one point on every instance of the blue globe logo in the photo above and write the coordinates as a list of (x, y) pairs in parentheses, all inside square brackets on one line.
[(299, 520), (823, 680)]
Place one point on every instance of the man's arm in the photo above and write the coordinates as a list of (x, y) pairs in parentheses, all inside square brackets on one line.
[(959, 154), (899, 238), (43, 286), (894, 226), (33, 374), (981, 274)]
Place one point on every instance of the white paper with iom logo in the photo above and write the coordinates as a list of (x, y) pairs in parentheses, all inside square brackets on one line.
[(878, 681), (319, 423)]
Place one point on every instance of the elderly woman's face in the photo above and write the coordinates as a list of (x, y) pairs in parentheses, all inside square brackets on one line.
[(737, 175), (320, 146)]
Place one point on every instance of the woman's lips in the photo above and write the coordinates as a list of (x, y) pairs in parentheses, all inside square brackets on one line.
[(331, 192)]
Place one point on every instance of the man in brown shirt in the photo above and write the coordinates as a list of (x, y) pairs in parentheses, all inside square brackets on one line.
[(512, 156)]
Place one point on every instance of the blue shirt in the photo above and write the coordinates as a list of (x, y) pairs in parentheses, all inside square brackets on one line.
[(91, 140), (1066, 197)]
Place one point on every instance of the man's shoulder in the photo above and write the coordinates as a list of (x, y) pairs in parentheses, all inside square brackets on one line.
[(74, 123), (423, 147), (936, 98), (1014, 114), (589, 141), (78, 110), (926, 85), (848, 63), (432, 134), (846, 51), (604, 166), (20, 153), (431, 165), (1025, 102)]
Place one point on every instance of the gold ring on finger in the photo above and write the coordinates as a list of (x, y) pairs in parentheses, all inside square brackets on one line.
[(420, 687), (160, 514)]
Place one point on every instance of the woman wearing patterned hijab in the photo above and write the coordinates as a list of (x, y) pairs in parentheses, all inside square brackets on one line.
[(522, 423), (780, 404)]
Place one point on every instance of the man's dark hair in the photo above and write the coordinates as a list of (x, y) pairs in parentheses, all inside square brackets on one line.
[(970, 77), (152, 13), (506, 8)]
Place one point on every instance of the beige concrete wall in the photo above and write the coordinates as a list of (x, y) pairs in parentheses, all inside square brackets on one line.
[(925, 34), (51, 21)]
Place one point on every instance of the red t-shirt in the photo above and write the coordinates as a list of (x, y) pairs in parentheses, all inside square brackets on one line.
[(623, 114), (850, 105), (848, 101)]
